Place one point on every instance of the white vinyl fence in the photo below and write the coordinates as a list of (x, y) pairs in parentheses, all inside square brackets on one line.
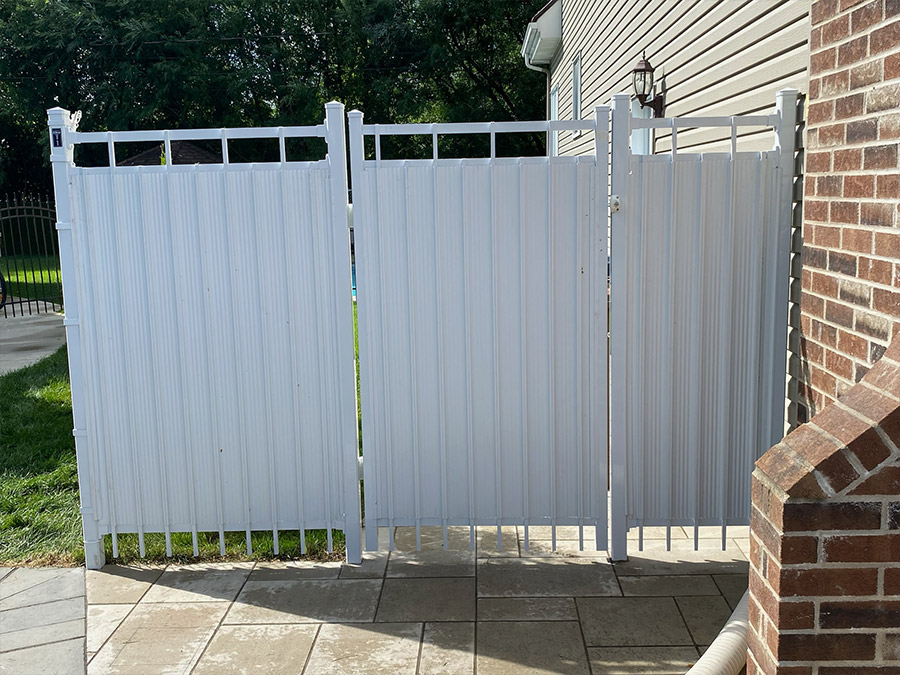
[(209, 323), (481, 287), (700, 251), (210, 339)]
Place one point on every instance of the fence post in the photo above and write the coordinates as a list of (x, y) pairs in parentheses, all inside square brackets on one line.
[(340, 232), (620, 159), (62, 153), (786, 108), (357, 156)]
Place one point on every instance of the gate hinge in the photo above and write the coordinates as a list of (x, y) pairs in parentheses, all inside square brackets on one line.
[(614, 203)]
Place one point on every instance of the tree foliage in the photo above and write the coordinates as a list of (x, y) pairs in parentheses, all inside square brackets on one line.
[(195, 63)]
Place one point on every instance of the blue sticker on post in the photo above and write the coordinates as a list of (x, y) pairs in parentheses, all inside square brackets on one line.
[(57, 137)]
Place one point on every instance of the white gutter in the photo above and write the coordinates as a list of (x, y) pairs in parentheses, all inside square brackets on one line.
[(532, 33), (727, 655)]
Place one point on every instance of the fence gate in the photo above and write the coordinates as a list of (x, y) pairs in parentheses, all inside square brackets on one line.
[(699, 290), (482, 301), (210, 337)]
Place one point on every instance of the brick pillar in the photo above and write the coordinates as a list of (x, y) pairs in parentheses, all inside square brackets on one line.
[(850, 301), (825, 538)]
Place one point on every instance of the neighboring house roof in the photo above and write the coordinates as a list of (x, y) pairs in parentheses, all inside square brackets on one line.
[(183, 152)]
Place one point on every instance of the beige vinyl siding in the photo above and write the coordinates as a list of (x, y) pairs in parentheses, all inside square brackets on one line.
[(720, 57)]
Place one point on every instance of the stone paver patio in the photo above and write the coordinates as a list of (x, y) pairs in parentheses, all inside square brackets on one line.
[(432, 611)]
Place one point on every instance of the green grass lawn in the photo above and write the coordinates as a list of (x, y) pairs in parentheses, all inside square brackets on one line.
[(39, 518), (32, 277)]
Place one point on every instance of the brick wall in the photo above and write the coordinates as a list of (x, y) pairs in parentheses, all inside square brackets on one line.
[(825, 538), (850, 298)]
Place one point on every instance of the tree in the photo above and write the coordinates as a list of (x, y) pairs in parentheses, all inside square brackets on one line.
[(194, 63)]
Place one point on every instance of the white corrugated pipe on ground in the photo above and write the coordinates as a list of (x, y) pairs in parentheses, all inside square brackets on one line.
[(727, 655)]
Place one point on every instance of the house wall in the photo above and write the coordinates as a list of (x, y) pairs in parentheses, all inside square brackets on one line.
[(720, 57), (851, 245)]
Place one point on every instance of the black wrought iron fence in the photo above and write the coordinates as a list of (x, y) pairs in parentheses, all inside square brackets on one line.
[(29, 256)]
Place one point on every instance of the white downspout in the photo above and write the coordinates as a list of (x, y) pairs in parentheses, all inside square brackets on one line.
[(727, 655)]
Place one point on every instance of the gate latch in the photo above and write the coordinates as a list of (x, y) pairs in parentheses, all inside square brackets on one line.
[(614, 203)]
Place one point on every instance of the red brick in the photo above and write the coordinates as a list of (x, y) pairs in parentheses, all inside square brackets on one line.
[(820, 112), (888, 187), (850, 106), (836, 30), (885, 39), (892, 64), (822, 61), (885, 377), (865, 74), (889, 127), (866, 16), (886, 301), (875, 405), (827, 334), (822, 381), (839, 365), (839, 314), (872, 325), (854, 239), (853, 345), (831, 516), (859, 371), (828, 186), (814, 86), (822, 10), (879, 214), (809, 186), (828, 237), (880, 157), (767, 533), (795, 616), (812, 306), (834, 84), (886, 481), (796, 549), (818, 161), (815, 40), (863, 548), (891, 8), (862, 131), (814, 352), (883, 98), (815, 257), (859, 186), (860, 614), (892, 581), (815, 210), (879, 271), (834, 134), (869, 449), (853, 51), (859, 670), (844, 212), (848, 160), (831, 647), (823, 284)]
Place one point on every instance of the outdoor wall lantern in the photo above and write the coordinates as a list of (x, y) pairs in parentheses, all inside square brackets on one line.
[(644, 91)]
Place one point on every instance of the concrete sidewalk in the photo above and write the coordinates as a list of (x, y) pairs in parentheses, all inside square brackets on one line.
[(513, 612), (42, 621), (27, 339)]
